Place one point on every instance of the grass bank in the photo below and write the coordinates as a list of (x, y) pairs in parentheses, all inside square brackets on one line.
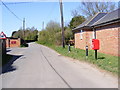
[(104, 61)]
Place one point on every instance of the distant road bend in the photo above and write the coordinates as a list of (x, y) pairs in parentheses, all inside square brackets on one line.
[(41, 67)]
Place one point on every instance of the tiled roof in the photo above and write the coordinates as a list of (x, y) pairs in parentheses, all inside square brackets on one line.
[(110, 17), (90, 21)]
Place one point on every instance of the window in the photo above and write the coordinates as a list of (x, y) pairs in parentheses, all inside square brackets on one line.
[(93, 35), (81, 34)]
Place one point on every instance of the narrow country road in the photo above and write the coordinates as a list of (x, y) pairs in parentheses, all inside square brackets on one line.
[(40, 67)]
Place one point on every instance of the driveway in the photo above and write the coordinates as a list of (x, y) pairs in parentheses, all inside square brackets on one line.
[(38, 66)]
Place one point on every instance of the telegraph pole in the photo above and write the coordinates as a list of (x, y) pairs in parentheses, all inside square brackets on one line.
[(43, 25), (23, 27), (23, 23), (62, 24)]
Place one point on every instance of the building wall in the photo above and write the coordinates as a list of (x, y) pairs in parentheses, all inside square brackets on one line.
[(82, 40), (108, 36), (13, 42)]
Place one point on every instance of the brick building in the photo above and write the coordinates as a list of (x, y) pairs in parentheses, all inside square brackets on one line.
[(102, 26), (13, 42)]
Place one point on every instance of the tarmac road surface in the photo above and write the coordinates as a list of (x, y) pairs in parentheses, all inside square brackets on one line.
[(38, 66)]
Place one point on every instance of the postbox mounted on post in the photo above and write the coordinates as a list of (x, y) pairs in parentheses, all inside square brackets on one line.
[(95, 44)]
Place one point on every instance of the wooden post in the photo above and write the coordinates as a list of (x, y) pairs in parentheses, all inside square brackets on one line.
[(86, 52), (95, 38), (0, 52)]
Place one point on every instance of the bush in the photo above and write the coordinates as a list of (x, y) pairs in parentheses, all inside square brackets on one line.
[(52, 34), (24, 45), (58, 38), (27, 34)]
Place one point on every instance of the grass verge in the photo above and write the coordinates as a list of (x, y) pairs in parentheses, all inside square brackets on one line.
[(104, 61)]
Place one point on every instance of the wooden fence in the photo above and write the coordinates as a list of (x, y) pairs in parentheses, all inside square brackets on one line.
[(2, 50)]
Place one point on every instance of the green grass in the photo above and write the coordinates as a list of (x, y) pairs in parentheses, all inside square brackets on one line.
[(104, 61), (6, 59)]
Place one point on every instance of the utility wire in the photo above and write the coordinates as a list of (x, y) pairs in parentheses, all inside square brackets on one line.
[(18, 3), (11, 11), (51, 11)]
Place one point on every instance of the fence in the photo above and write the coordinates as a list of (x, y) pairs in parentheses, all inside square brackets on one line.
[(2, 50)]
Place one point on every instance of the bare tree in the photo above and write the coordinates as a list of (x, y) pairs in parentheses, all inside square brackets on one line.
[(91, 8), (74, 13)]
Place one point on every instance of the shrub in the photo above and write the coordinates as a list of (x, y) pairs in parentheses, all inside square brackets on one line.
[(24, 45)]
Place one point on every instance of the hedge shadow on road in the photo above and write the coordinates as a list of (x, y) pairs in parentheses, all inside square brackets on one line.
[(9, 66), (8, 50)]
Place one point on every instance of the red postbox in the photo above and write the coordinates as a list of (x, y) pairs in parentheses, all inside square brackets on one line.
[(95, 44)]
